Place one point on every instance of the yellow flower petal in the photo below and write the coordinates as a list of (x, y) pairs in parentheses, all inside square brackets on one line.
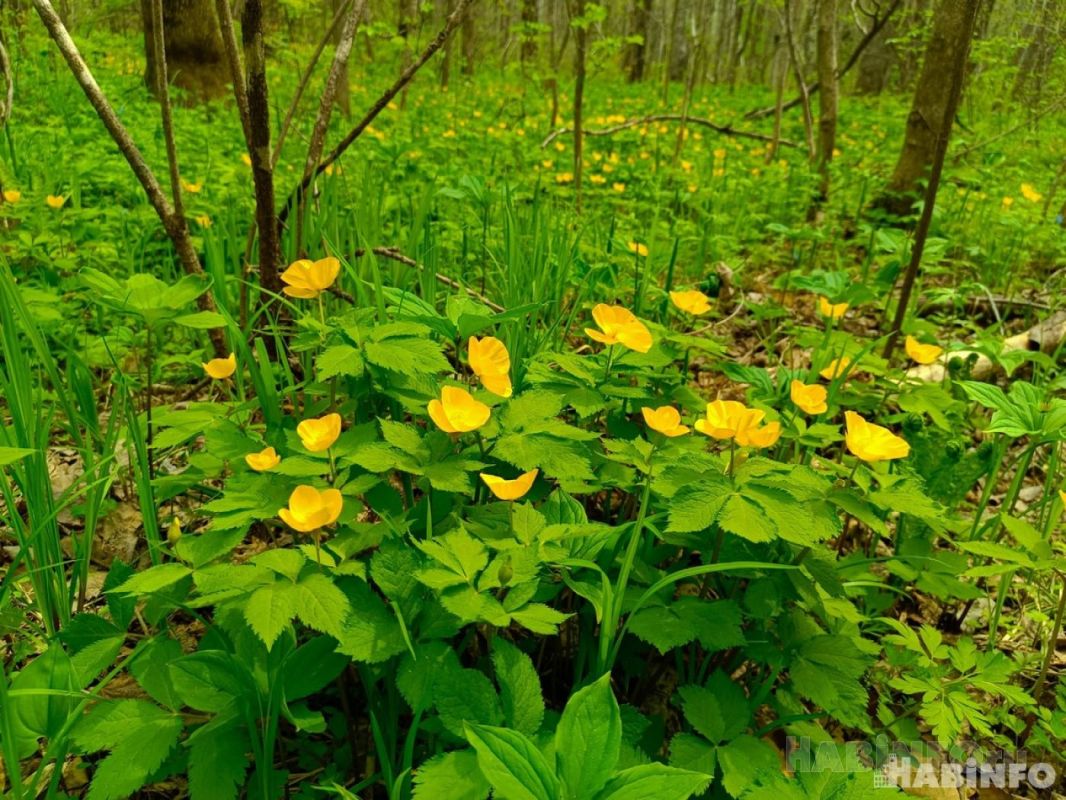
[(665, 420), (872, 442), (510, 489), (809, 398), (922, 353), (221, 368), (318, 434), (264, 460), (692, 301)]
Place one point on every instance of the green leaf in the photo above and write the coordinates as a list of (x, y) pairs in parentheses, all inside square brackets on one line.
[(718, 711), (341, 359), (716, 624), (695, 506), (408, 356), (371, 632), (154, 578), (9, 455), (270, 609), (139, 736), (828, 670), (451, 776), (588, 739), (321, 605), (282, 561), (512, 764), (654, 781), (744, 760), (202, 320), (520, 691), (218, 761), (209, 680)]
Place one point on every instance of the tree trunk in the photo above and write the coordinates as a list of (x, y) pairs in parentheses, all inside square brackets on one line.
[(195, 59), (1037, 54), (827, 96), (580, 56), (636, 54), (934, 101), (529, 21), (469, 42), (343, 96), (446, 57)]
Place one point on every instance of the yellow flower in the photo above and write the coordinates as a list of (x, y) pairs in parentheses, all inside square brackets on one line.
[(619, 326), (836, 368), (719, 153), (318, 434), (597, 179), (766, 436), (190, 187), (639, 248), (1030, 193), (310, 509), (922, 353), (55, 201), (1062, 497), (203, 221), (491, 362), (618, 187), (726, 419), (174, 531), (307, 279), (247, 159), (457, 411), (872, 442), (831, 310), (12, 195), (665, 420), (810, 398), (564, 177), (510, 490), (692, 301), (547, 163), (221, 368), (1008, 202), (263, 460)]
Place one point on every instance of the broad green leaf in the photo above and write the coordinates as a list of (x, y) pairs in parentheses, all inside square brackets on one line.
[(218, 761), (321, 605), (340, 359), (9, 455), (154, 579), (646, 781), (512, 764), (271, 608), (520, 692), (588, 739), (451, 776)]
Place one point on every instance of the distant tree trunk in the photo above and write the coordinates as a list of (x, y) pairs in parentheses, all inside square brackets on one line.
[(1037, 54), (636, 54), (446, 58), (827, 94), (934, 101), (343, 96), (875, 64), (530, 19), (580, 57), (195, 59), (469, 42)]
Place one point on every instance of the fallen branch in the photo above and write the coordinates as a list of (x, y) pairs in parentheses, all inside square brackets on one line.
[(174, 226), (396, 255), (382, 102), (725, 130), (1043, 337), (853, 59)]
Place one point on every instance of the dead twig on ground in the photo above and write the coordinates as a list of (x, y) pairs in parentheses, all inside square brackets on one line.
[(725, 130)]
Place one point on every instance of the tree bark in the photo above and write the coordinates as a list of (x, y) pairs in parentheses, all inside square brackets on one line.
[(580, 58), (195, 59), (636, 54), (934, 103), (529, 21), (827, 97)]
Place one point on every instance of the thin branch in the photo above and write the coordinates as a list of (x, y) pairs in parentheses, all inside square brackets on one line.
[(1057, 104), (325, 107), (9, 84), (382, 102), (797, 70), (725, 130), (233, 58), (853, 59), (338, 18), (173, 225), (163, 92), (396, 255)]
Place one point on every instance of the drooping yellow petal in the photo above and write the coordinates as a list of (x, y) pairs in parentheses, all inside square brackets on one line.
[(765, 436), (836, 368), (922, 353), (692, 301), (872, 442), (512, 490), (491, 362), (221, 368), (831, 310)]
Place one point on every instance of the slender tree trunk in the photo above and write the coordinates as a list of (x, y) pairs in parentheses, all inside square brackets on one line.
[(343, 90), (801, 84), (934, 102), (580, 57), (636, 55), (1037, 54), (827, 96), (469, 43), (529, 20), (446, 58), (194, 48)]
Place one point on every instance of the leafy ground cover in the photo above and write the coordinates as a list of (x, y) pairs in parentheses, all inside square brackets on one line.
[(593, 506)]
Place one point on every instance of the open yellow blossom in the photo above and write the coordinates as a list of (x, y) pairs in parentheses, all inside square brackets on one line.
[(192, 187), (765, 436), (831, 310), (204, 221), (836, 368), (618, 187), (872, 442), (665, 420), (810, 398), (728, 419), (307, 279), (1030, 193), (310, 509), (597, 179), (318, 434), (246, 159), (221, 368), (1008, 202), (491, 362), (457, 411), (922, 353), (638, 247), (12, 195), (619, 326), (55, 201), (264, 460), (692, 301), (564, 177), (512, 490)]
